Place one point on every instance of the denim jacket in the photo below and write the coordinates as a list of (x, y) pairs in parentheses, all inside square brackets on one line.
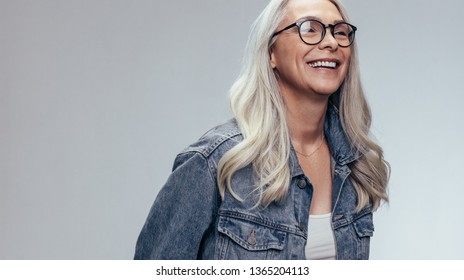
[(189, 220)]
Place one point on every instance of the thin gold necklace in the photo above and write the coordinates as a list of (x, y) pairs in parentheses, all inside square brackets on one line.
[(312, 153)]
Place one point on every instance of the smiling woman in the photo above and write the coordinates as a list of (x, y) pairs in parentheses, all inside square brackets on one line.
[(294, 175)]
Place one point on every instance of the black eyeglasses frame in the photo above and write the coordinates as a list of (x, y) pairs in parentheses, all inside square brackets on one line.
[(331, 26)]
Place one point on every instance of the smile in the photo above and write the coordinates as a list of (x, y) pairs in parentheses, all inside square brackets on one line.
[(327, 64)]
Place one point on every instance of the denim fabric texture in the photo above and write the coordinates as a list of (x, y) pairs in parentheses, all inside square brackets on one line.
[(189, 220)]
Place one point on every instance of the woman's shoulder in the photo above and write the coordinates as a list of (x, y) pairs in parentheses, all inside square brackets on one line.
[(217, 141)]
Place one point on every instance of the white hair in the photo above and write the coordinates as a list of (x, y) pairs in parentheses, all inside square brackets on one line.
[(258, 107)]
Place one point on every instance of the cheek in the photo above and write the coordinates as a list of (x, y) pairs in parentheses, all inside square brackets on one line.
[(347, 56), (286, 55)]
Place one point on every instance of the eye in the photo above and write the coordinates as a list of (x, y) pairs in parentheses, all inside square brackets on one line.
[(341, 33), (342, 30), (310, 27), (307, 30)]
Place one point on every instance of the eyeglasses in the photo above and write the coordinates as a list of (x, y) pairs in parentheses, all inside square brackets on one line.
[(312, 32)]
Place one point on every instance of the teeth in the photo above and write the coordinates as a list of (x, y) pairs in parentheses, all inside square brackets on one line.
[(329, 64)]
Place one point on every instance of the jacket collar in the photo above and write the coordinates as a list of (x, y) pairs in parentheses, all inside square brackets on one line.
[(340, 147)]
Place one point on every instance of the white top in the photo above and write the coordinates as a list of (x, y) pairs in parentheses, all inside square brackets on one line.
[(321, 241)]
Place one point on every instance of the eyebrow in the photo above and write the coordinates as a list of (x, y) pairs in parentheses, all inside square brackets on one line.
[(319, 19)]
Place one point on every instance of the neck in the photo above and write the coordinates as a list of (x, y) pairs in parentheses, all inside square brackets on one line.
[(306, 117)]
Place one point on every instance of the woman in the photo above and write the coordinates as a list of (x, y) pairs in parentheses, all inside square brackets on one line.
[(294, 175)]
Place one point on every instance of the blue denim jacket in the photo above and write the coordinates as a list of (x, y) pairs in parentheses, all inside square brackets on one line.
[(189, 220)]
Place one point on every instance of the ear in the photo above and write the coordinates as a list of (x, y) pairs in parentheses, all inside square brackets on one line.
[(271, 54)]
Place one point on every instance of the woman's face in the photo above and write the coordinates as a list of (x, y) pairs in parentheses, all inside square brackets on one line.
[(294, 61)]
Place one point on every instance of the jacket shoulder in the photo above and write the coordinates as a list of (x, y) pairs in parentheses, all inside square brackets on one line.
[(217, 140)]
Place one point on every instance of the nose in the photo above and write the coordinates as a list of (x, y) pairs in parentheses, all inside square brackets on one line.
[(329, 40)]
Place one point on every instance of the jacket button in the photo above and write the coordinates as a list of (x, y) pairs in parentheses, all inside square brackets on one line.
[(251, 238), (302, 183), (301, 226)]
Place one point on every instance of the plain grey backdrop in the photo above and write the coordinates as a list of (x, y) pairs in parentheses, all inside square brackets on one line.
[(98, 96)]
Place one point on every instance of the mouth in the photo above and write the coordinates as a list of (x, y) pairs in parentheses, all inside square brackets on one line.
[(330, 64)]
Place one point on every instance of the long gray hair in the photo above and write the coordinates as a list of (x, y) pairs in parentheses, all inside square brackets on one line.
[(258, 107)]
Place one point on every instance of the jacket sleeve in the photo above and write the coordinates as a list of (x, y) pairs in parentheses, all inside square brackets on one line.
[(182, 212)]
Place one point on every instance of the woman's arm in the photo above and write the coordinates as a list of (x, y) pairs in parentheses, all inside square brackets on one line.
[(182, 212)]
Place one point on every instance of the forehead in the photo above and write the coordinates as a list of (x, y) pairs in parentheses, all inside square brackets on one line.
[(322, 9)]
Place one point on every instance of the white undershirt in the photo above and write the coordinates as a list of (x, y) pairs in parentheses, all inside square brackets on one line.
[(321, 242)]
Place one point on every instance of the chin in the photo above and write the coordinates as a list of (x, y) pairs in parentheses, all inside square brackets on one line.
[(326, 91), (324, 86)]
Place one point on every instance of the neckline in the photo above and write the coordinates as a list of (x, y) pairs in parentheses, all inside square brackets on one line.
[(320, 216)]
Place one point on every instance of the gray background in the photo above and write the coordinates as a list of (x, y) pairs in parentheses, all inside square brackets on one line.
[(97, 97)]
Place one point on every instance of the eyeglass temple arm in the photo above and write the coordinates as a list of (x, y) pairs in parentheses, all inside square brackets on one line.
[(286, 28)]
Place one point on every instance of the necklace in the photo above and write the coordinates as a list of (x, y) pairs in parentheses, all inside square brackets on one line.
[(312, 153)]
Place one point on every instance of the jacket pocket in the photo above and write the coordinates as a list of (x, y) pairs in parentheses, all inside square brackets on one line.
[(353, 233), (364, 228), (248, 239)]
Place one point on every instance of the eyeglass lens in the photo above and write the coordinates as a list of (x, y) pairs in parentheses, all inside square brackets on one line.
[(312, 32)]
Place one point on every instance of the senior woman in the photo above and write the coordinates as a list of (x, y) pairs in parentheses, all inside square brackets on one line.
[(294, 175)]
